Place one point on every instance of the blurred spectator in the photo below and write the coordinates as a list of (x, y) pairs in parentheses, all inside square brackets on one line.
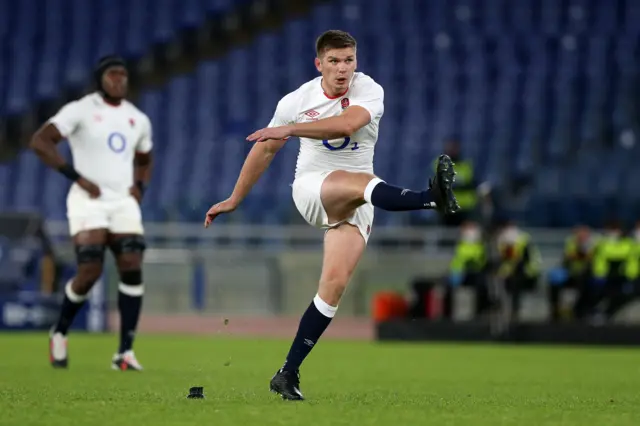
[(620, 291), (574, 273), (468, 268), (609, 274), (518, 263)]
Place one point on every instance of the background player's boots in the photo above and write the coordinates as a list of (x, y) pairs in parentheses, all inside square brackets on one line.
[(58, 350), (442, 186), (287, 385), (125, 362)]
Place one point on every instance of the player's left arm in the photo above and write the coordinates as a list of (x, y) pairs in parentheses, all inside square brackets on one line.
[(143, 162), (367, 103), (350, 121)]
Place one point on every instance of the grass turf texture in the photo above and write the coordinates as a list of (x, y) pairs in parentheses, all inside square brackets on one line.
[(345, 383)]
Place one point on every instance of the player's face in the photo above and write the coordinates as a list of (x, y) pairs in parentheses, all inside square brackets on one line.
[(337, 67), (115, 82)]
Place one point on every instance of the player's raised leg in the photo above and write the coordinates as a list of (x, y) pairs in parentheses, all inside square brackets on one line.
[(343, 191), (89, 247), (343, 248)]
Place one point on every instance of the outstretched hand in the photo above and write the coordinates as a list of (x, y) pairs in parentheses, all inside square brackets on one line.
[(225, 206), (277, 133)]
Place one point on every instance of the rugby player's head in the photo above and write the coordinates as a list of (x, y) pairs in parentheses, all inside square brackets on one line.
[(336, 60), (111, 77)]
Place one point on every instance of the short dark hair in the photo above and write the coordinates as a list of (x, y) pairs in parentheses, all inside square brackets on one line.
[(334, 39)]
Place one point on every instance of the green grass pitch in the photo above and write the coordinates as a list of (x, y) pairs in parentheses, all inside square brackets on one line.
[(346, 383)]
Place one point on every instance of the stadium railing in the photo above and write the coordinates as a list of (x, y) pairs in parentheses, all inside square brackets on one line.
[(273, 270), (431, 239)]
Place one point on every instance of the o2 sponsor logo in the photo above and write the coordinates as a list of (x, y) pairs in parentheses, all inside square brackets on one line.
[(345, 143), (117, 142)]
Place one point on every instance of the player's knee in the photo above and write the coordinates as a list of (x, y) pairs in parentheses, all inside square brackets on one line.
[(131, 283), (133, 245), (89, 254), (129, 251), (342, 192), (90, 259)]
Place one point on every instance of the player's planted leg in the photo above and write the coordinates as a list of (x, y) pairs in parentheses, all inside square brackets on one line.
[(343, 247), (313, 323), (90, 255), (128, 251), (71, 304)]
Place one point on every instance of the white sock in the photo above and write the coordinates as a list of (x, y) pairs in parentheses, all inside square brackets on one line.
[(369, 189), (72, 295), (131, 290), (324, 308)]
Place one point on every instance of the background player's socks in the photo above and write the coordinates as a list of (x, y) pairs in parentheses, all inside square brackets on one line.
[(393, 198), (71, 304), (314, 322), (129, 305)]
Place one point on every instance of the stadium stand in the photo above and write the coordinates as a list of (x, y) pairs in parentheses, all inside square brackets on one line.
[(541, 93)]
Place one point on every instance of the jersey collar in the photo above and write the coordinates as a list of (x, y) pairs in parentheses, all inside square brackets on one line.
[(341, 94), (100, 101)]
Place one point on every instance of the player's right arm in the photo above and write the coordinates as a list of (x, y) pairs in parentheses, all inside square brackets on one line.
[(256, 163), (254, 166), (44, 143)]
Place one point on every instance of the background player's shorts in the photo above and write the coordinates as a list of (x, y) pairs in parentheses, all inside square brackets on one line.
[(121, 216), (306, 196)]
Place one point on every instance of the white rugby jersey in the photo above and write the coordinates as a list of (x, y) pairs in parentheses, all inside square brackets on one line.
[(310, 103), (104, 139)]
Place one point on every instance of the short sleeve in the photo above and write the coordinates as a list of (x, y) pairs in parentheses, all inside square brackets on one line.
[(67, 120), (285, 112), (370, 96), (145, 143)]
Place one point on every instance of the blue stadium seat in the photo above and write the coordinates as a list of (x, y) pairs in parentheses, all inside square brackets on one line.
[(111, 16), (550, 17), (4, 76), (191, 14), (525, 87), (631, 17), (37, 61), (49, 67), (78, 58), (136, 29), (6, 13), (6, 180), (29, 183), (164, 21), (220, 6)]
